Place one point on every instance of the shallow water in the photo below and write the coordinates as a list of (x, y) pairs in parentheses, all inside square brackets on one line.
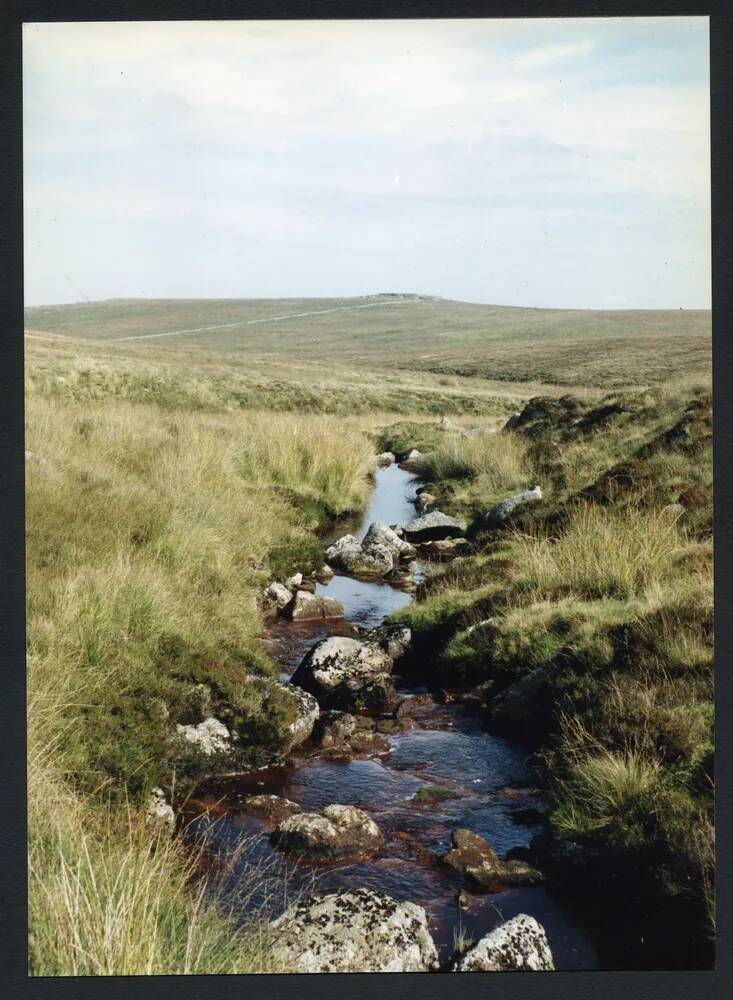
[(491, 778)]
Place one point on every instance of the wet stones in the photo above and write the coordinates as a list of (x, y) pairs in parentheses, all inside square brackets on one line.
[(501, 513), (273, 808), (278, 594), (308, 711), (434, 526), (472, 855), (355, 931), (307, 607), (385, 458), (519, 945), (337, 832), (379, 554), (344, 673)]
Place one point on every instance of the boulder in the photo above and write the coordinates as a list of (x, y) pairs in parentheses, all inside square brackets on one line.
[(502, 512), (358, 930), (381, 536), (325, 573), (345, 673), (307, 607), (293, 582), (273, 808), (415, 704), (278, 594), (159, 813), (348, 555), (411, 462), (365, 742), (334, 729), (432, 526), (335, 833), (469, 848), (518, 945), (500, 873), (210, 736), (386, 458), (393, 639), (425, 502), (308, 712)]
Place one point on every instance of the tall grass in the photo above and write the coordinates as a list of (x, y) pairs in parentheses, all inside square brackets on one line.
[(150, 533), (499, 459), (601, 552)]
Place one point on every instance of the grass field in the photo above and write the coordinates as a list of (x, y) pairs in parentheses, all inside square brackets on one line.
[(173, 476), (571, 348)]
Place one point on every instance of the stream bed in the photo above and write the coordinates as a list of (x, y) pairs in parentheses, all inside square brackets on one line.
[(493, 781)]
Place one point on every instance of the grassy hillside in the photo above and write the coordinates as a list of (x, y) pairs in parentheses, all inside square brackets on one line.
[(557, 346), (171, 478)]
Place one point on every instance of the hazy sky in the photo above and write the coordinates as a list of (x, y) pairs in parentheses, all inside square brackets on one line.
[(541, 163)]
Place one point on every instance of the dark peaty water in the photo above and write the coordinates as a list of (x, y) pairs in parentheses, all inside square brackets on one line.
[(491, 780)]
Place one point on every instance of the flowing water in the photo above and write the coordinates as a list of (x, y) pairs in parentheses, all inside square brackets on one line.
[(493, 782)]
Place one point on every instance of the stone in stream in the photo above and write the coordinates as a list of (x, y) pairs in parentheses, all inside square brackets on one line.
[(355, 931), (307, 710), (348, 556), (502, 512), (273, 808), (393, 639), (443, 549), (294, 582), (307, 607), (337, 832), (344, 673), (519, 945), (334, 729), (278, 594), (469, 848), (381, 536), (500, 873), (433, 526), (324, 574), (385, 458), (425, 502), (411, 462)]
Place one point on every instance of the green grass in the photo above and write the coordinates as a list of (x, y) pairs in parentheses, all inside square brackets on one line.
[(454, 339)]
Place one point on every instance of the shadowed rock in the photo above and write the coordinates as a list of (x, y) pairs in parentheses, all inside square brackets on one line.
[(519, 945), (337, 832)]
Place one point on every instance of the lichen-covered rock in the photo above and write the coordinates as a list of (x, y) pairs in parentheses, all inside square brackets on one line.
[(519, 945), (273, 808), (381, 536), (308, 711), (369, 743), (502, 512), (393, 639), (307, 607), (334, 729), (325, 573), (469, 848), (210, 736), (345, 673), (335, 833), (159, 813), (293, 582), (278, 594), (490, 873), (385, 458), (355, 931), (433, 526), (348, 556)]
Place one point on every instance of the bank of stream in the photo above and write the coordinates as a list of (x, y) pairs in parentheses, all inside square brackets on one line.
[(495, 791)]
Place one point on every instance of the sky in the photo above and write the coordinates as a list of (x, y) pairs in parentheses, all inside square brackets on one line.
[(549, 163)]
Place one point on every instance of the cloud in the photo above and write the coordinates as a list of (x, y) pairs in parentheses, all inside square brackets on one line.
[(281, 141)]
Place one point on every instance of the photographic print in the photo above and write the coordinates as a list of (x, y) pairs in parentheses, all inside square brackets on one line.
[(369, 496)]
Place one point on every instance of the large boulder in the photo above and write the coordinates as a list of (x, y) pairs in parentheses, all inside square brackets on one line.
[(355, 931), (519, 945), (393, 639), (502, 512), (209, 737), (308, 607), (336, 833), (433, 526), (345, 673)]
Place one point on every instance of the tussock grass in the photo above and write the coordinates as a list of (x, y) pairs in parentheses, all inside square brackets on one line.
[(499, 459), (600, 553)]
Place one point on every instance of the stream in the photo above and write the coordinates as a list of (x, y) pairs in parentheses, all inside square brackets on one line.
[(495, 795)]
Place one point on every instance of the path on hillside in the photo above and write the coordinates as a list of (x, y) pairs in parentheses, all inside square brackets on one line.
[(267, 319)]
